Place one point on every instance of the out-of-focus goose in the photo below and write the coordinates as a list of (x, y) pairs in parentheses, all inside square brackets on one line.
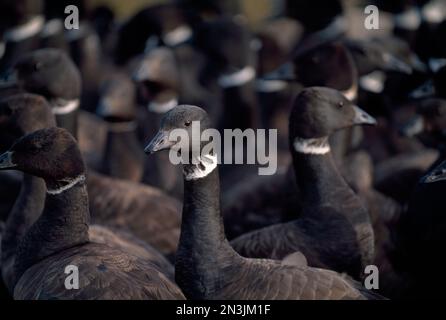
[(123, 156)]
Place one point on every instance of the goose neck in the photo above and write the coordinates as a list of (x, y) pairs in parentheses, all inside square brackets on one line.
[(26, 210), (62, 225), (203, 248)]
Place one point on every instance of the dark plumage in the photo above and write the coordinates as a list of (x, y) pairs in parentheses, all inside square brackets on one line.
[(27, 113), (328, 203), (57, 67), (123, 157), (60, 234), (206, 266)]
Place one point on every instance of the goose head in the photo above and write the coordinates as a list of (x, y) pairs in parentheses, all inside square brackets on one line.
[(51, 154), (183, 117), (319, 112), (21, 114), (50, 73)]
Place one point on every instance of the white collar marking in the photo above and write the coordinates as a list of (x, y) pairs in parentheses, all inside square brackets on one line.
[(162, 107), (409, 19), (237, 78), (29, 29), (51, 28), (268, 86), (209, 162), (71, 184), (434, 11), (351, 93), (122, 127), (68, 107), (311, 146), (373, 82), (178, 35)]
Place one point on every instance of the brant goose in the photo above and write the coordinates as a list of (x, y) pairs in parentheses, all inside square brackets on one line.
[(23, 114), (21, 24), (158, 77), (123, 157), (206, 266), (328, 203), (59, 238)]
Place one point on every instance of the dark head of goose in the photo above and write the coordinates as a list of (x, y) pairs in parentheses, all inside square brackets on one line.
[(317, 113), (51, 154), (187, 132), (20, 114), (52, 74), (197, 161)]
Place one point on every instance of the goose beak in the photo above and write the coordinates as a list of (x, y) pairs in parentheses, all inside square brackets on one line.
[(362, 117), (426, 90), (284, 72), (414, 127), (391, 63), (6, 161), (438, 174), (159, 142)]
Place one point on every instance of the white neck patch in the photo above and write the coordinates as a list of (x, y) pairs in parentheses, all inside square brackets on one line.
[(65, 107), (269, 86), (238, 78), (351, 93), (162, 107), (207, 164), (29, 29), (373, 82), (178, 35), (434, 11), (51, 28), (311, 146), (71, 183), (128, 126), (409, 19)]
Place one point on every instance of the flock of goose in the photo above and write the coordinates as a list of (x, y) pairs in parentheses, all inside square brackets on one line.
[(86, 117)]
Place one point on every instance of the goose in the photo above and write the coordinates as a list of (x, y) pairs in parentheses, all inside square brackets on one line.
[(157, 77), (229, 71), (113, 202), (60, 238), (123, 157), (328, 203), (22, 25), (23, 114), (206, 265)]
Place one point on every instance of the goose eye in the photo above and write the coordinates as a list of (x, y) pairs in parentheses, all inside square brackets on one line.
[(187, 123), (341, 105)]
